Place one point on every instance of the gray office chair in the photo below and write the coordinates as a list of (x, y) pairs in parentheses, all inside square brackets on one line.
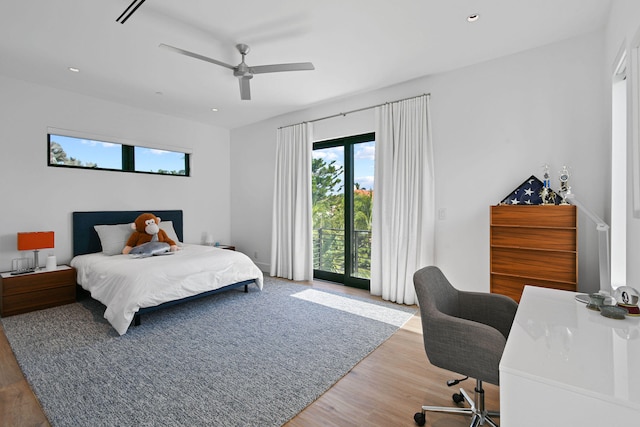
[(463, 332)]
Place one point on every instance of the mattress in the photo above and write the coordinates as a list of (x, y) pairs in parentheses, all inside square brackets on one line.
[(125, 283)]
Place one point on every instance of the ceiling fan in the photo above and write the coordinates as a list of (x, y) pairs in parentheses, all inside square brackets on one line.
[(242, 71)]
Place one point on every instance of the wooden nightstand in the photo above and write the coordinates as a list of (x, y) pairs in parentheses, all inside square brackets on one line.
[(34, 291)]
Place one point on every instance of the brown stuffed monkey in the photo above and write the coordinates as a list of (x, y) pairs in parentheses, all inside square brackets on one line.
[(145, 228)]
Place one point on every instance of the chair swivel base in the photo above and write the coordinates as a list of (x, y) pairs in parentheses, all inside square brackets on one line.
[(480, 416)]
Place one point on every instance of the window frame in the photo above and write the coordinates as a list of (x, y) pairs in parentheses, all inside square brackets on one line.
[(348, 143), (128, 153)]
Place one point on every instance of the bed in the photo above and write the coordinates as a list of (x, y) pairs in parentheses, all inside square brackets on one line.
[(130, 286)]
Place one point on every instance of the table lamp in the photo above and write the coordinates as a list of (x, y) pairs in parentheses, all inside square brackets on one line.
[(34, 241)]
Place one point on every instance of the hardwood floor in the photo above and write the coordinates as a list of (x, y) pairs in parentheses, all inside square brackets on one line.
[(384, 389), (18, 405)]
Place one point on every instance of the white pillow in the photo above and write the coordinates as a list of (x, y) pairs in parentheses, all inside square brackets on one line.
[(167, 226), (113, 238)]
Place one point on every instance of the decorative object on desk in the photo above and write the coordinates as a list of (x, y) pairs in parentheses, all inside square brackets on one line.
[(565, 188), (627, 298), (528, 193), (52, 263), (596, 301), (613, 312), (34, 241)]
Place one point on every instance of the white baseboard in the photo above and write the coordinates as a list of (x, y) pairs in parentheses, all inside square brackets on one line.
[(263, 266)]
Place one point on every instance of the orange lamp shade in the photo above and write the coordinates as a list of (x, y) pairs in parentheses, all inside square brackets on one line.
[(35, 240)]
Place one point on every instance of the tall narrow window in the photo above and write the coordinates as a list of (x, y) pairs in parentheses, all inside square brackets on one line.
[(342, 194)]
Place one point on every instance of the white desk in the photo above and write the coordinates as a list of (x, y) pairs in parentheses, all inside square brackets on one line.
[(565, 365)]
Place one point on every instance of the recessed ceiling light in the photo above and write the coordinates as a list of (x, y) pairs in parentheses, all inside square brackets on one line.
[(214, 110), (74, 69), (473, 17)]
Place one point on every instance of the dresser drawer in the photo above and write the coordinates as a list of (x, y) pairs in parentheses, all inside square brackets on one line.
[(37, 300), (29, 283)]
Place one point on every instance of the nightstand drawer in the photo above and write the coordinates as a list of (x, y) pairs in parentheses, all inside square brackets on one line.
[(30, 283), (37, 300)]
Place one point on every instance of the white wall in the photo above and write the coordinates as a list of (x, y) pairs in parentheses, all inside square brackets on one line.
[(494, 125), (37, 197), (622, 27)]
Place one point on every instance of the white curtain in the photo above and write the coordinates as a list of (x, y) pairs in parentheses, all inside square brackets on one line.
[(291, 232), (403, 222)]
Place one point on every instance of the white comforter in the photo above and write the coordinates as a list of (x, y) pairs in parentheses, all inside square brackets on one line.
[(125, 284)]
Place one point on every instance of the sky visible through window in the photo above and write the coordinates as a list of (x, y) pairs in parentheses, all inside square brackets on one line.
[(152, 160), (108, 155), (364, 156)]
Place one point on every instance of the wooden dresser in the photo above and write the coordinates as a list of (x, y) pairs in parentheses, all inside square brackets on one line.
[(533, 245)]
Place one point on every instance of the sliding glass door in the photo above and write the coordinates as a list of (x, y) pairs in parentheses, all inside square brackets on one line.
[(342, 205)]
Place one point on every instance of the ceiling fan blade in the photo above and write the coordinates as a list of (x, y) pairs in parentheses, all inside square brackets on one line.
[(245, 90), (275, 68), (197, 56)]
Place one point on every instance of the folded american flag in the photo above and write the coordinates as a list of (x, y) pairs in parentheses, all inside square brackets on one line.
[(529, 193)]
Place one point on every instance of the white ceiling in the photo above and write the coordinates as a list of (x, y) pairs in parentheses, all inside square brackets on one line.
[(355, 45)]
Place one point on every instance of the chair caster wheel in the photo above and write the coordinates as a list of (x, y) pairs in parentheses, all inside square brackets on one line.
[(420, 418), (458, 398)]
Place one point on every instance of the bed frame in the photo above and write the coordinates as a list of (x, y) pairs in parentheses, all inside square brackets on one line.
[(86, 241)]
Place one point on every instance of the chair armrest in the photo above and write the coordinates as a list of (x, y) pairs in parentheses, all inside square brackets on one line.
[(495, 310), (481, 344)]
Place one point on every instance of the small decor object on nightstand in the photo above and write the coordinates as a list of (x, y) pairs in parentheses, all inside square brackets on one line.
[(34, 241), (52, 263), (21, 265)]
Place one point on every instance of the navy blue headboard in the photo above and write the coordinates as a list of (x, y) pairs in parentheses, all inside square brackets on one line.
[(85, 238)]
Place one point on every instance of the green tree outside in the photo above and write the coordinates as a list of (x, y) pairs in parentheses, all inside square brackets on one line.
[(328, 220)]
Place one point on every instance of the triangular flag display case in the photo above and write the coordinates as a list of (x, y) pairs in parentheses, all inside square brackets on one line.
[(533, 245), (530, 192)]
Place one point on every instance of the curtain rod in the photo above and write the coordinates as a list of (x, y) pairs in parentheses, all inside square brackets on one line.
[(356, 110)]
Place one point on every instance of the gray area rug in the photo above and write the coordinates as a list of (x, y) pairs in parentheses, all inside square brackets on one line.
[(232, 359)]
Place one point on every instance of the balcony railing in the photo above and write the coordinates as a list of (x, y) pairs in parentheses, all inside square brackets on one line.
[(328, 251)]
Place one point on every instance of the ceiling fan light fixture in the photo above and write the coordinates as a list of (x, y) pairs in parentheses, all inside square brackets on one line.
[(242, 71), (473, 17)]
